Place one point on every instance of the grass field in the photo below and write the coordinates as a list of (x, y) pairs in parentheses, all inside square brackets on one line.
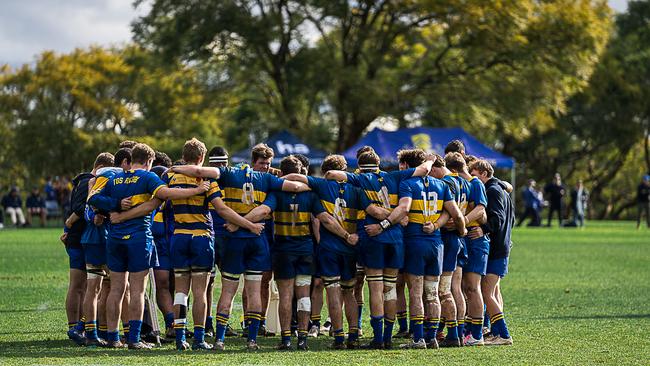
[(572, 297)]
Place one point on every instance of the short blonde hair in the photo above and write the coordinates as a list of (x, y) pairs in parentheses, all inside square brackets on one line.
[(194, 150)]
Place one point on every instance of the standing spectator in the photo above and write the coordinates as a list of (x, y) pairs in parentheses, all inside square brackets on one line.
[(13, 205), (579, 197), (533, 203), (51, 196), (36, 207), (643, 201), (555, 193), (65, 187)]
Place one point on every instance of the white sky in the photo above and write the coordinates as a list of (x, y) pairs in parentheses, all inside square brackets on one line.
[(28, 27)]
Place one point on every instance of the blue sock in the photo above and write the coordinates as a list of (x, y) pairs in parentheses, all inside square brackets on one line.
[(286, 336), (113, 336), (388, 329), (134, 330), (209, 323), (80, 325), (91, 329), (377, 328), (433, 329), (441, 325), (302, 335), (169, 320), (353, 334), (486, 320), (179, 330), (461, 328), (401, 320), (411, 325), (222, 324), (428, 330), (417, 327), (359, 317), (452, 329), (125, 330), (499, 325), (102, 330), (477, 328), (254, 326), (199, 334), (339, 337)]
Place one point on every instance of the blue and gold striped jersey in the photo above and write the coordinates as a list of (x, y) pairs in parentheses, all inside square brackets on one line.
[(103, 176), (344, 202), (428, 195), (163, 222), (244, 189), (463, 196), (141, 186), (192, 215), (292, 219), (454, 189), (382, 189), (477, 196)]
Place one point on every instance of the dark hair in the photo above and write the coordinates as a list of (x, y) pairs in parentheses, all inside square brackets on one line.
[(159, 170), (455, 146), (218, 151), (368, 158), (162, 159), (305, 163), (261, 151), (121, 154), (129, 144), (194, 150), (411, 157), (104, 159), (333, 162), (469, 159), (364, 149), (455, 161), (290, 164), (141, 153)]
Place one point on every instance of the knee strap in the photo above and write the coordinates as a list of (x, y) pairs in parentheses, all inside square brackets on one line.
[(331, 282), (349, 284), (230, 276), (253, 275)]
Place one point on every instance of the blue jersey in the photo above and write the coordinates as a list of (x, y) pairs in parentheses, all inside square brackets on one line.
[(192, 214), (162, 226), (461, 198), (382, 189), (454, 188), (140, 185), (292, 217), (97, 234), (428, 196), (244, 189), (343, 201), (477, 196)]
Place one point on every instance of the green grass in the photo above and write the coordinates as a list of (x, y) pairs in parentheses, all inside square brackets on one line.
[(572, 297)]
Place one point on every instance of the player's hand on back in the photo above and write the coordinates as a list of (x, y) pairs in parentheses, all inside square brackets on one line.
[(98, 220), (116, 218), (204, 186), (126, 203), (63, 238)]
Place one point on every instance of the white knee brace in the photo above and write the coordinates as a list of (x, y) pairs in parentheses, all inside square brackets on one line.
[(430, 290), (304, 304)]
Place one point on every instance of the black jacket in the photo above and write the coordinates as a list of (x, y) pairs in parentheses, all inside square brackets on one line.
[(78, 198), (500, 219)]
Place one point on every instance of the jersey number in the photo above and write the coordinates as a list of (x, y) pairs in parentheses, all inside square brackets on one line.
[(430, 200), (248, 194), (294, 213), (339, 212), (384, 197)]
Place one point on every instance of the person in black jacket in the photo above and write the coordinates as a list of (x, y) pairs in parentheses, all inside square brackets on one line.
[(555, 192), (75, 226), (643, 201), (500, 221)]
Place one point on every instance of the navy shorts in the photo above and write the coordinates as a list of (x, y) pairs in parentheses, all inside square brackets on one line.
[(452, 249), (77, 258), (218, 249), (423, 256), (377, 255), (333, 264), (288, 265), (95, 254), (315, 257), (192, 252), (477, 255), (498, 266), (162, 252), (130, 255), (245, 254), (462, 253)]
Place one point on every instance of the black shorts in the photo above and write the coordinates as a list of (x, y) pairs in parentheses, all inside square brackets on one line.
[(287, 265)]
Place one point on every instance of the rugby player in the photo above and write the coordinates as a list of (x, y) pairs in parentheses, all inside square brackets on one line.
[(382, 251), (337, 257), (129, 244), (500, 220), (424, 199)]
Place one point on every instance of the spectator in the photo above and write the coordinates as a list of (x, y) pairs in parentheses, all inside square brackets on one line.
[(643, 201), (533, 202), (555, 194), (36, 207), (579, 197), (51, 196), (13, 206)]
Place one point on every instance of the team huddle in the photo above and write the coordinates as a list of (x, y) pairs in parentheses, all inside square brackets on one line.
[(421, 235)]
